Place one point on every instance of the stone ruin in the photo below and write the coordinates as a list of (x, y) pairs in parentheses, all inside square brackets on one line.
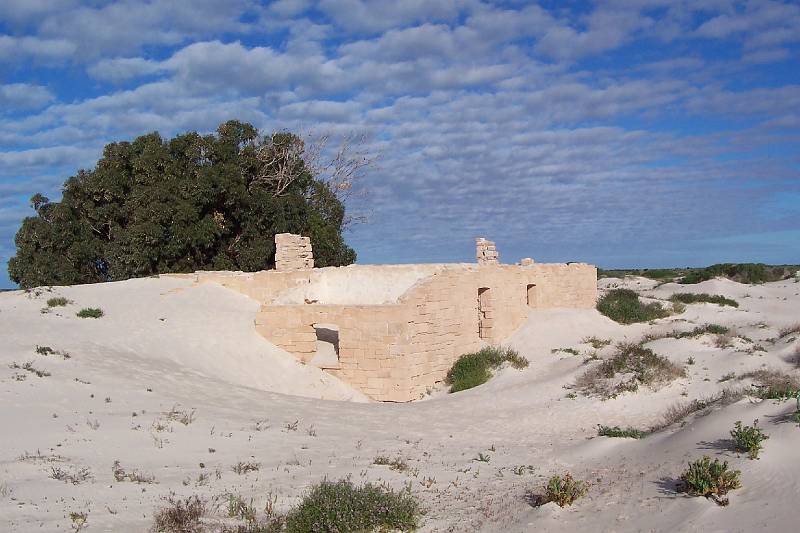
[(393, 331), (293, 252)]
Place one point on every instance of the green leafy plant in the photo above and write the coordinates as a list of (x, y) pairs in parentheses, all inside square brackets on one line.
[(564, 490), (748, 438), (692, 298), (616, 431), (624, 306), (473, 369), (90, 312), (711, 479)]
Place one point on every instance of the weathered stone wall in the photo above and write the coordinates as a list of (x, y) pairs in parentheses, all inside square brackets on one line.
[(486, 252), (293, 252)]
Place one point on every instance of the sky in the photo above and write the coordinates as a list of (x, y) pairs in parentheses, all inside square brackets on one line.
[(624, 133)]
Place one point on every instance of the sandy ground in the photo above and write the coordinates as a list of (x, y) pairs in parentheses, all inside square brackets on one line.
[(174, 383)]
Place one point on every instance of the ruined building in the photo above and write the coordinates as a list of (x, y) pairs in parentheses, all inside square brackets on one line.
[(393, 331)]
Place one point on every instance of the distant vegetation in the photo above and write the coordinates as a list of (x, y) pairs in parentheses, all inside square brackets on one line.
[(192, 202), (741, 272), (625, 307), (691, 298), (473, 369), (58, 301)]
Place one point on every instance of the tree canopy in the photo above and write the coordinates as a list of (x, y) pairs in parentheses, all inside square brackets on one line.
[(193, 202)]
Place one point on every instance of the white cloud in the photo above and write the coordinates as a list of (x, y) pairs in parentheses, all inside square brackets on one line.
[(22, 96)]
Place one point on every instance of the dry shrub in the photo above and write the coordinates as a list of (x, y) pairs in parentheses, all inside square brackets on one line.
[(773, 384), (790, 330), (180, 516), (631, 366), (679, 411)]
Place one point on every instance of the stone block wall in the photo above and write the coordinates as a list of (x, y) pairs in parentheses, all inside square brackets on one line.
[(293, 252), (486, 252)]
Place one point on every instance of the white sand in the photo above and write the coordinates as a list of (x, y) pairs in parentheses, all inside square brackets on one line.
[(205, 356)]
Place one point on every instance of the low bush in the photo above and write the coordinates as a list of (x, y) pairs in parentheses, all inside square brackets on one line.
[(596, 342), (748, 438), (710, 479), (637, 364), (789, 330), (690, 298), (342, 506), (90, 312), (473, 369), (624, 306), (58, 301), (564, 490), (618, 432)]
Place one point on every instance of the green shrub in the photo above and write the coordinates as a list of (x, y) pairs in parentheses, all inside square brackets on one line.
[(58, 301), (341, 506), (618, 432), (690, 298), (740, 272), (90, 312), (564, 490), (748, 438), (624, 306), (773, 384), (711, 479), (473, 369)]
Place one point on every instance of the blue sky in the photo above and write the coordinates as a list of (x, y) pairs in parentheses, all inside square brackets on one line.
[(622, 133)]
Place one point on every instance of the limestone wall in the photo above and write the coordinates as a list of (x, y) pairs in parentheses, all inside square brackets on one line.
[(293, 252)]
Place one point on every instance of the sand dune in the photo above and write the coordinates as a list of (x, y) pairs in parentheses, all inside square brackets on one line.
[(174, 382)]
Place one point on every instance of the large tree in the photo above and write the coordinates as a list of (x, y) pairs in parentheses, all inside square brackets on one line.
[(189, 203)]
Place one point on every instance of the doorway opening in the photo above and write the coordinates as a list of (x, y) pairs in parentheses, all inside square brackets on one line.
[(327, 354), (530, 291)]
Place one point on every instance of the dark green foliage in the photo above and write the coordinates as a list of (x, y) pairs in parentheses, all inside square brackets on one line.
[(341, 506), (473, 369), (90, 312), (58, 301), (564, 490), (616, 431), (188, 203), (624, 306), (658, 274), (690, 298), (708, 478), (740, 272), (748, 438)]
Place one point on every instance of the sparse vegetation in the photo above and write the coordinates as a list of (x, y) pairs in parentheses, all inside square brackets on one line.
[(710, 479), (679, 411), (30, 368), (740, 272), (748, 438), (691, 298), (397, 464), (789, 330), (76, 476), (90, 312), (618, 432), (473, 369), (571, 351), (773, 384), (243, 467), (120, 474), (183, 416), (596, 342), (624, 306), (58, 301), (636, 364)]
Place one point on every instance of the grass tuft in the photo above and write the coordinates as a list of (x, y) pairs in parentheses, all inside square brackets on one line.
[(624, 306), (617, 432), (90, 312), (58, 301), (473, 369)]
